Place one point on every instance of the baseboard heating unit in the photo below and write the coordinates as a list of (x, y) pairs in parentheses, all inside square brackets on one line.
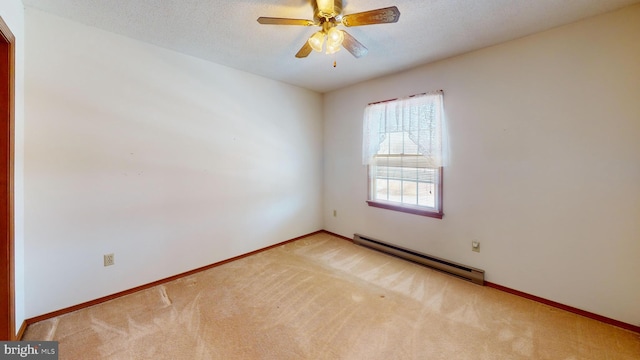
[(462, 271)]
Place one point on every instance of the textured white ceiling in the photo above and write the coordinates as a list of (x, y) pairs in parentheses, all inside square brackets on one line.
[(226, 31)]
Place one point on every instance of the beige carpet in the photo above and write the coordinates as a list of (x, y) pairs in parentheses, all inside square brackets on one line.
[(325, 298)]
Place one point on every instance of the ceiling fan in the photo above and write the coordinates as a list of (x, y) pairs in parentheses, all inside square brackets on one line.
[(327, 14)]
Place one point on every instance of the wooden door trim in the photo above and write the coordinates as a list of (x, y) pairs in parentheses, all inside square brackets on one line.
[(7, 113)]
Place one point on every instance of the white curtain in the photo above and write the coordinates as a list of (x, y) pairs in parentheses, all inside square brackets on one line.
[(421, 116)]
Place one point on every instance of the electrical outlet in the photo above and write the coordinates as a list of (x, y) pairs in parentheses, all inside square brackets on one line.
[(109, 259), (335, 213), (475, 246)]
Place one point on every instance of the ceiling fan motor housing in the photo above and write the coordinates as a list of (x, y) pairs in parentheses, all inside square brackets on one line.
[(326, 9)]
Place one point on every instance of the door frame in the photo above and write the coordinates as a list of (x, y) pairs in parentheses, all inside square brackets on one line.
[(7, 119)]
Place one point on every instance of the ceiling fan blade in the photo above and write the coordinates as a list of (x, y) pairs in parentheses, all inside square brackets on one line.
[(354, 46), (378, 16), (304, 51), (284, 21)]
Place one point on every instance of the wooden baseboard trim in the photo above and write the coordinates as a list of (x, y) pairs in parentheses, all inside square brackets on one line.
[(21, 331), (87, 304), (336, 235), (152, 284), (568, 308)]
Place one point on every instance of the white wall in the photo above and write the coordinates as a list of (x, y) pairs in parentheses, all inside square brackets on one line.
[(544, 168), (168, 161), (12, 12)]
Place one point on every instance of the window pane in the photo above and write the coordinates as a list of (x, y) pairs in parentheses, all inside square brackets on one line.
[(380, 191), (411, 174), (410, 193), (395, 190), (390, 172), (405, 185), (427, 175), (426, 195)]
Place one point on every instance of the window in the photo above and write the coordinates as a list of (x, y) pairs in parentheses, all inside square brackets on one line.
[(402, 148)]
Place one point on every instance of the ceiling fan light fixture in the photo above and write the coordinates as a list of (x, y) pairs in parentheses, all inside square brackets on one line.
[(332, 48), (335, 37), (316, 40)]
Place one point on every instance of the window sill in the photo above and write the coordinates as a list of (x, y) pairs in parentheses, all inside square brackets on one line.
[(410, 210)]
